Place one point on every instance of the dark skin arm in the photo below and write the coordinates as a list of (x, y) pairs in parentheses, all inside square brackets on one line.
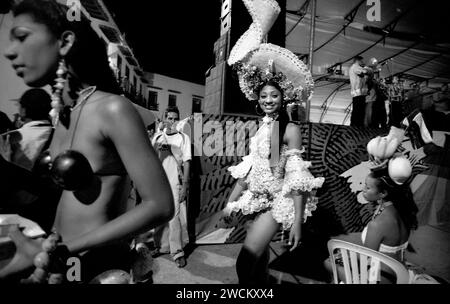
[(237, 190), (293, 138), (124, 127), (376, 230)]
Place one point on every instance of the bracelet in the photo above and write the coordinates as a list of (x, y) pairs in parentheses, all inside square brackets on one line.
[(50, 263)]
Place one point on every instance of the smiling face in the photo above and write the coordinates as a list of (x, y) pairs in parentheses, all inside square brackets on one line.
[(33, 51), (270, 99)]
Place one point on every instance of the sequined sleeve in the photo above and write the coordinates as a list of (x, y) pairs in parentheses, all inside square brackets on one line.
[(297, 178), (241, 170)]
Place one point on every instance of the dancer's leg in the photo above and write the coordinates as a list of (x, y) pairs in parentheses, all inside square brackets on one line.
[(252, 259)]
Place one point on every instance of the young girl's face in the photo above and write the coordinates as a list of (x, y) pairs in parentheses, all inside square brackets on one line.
[(270, 99), (33, 51)]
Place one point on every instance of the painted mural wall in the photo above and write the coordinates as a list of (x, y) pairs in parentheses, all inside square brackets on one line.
[(337, 153)]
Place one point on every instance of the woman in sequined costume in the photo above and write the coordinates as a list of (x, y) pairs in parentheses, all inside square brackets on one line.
[(272, 181)]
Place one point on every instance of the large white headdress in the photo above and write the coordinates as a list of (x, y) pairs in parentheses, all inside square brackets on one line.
[(257, 63)]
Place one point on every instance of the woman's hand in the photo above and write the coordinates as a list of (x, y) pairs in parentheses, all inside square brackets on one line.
[(295, 234), (26, 250), (227, 218)]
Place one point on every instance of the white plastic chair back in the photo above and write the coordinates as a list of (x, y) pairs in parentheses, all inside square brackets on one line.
[(363, 265)]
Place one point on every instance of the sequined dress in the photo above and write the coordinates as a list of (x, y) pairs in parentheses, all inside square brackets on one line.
[(273, 189)]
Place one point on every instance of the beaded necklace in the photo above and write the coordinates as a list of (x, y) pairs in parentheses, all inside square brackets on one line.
[(81, 103), (82, 98), (380, 209)]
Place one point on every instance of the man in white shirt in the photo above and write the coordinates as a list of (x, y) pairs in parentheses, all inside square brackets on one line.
[(174, 150), (358, 83)]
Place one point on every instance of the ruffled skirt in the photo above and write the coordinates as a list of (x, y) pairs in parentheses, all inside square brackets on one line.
[(267, 192), (280, 206)]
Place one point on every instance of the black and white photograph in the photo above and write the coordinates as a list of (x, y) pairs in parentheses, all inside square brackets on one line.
[(246, 146)]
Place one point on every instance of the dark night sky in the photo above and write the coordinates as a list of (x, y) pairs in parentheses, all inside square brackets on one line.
[(173, 38)]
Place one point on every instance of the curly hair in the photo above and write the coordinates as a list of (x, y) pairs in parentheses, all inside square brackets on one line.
[(88, 55)]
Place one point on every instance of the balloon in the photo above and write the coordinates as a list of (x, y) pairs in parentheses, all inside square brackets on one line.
[(399, 169), (391, 147), (373, 144)]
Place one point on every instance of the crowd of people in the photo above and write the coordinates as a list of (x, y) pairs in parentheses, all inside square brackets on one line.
[(93, 149), (378, 102)]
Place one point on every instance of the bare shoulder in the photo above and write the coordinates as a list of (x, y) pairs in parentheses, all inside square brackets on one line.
[(383, 223), (375, 226), (113, 107), (113, 104), (293, 130), (292, 135)]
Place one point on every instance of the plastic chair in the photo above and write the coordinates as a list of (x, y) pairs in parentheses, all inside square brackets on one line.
[(369, 262)]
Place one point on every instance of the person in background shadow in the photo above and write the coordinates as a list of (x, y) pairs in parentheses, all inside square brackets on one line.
[(28, 141), (25, 145)]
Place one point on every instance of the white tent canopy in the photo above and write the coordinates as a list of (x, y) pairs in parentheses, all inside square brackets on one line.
[(410, 41)]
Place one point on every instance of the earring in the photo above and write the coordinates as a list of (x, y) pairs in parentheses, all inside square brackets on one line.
[(57, 104), (256, 110)]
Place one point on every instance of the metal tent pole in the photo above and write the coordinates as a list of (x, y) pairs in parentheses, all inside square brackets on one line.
[(312, 3)]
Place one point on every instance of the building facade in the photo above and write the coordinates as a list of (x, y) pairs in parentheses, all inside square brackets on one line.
[(161, 92), (151, 91)]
